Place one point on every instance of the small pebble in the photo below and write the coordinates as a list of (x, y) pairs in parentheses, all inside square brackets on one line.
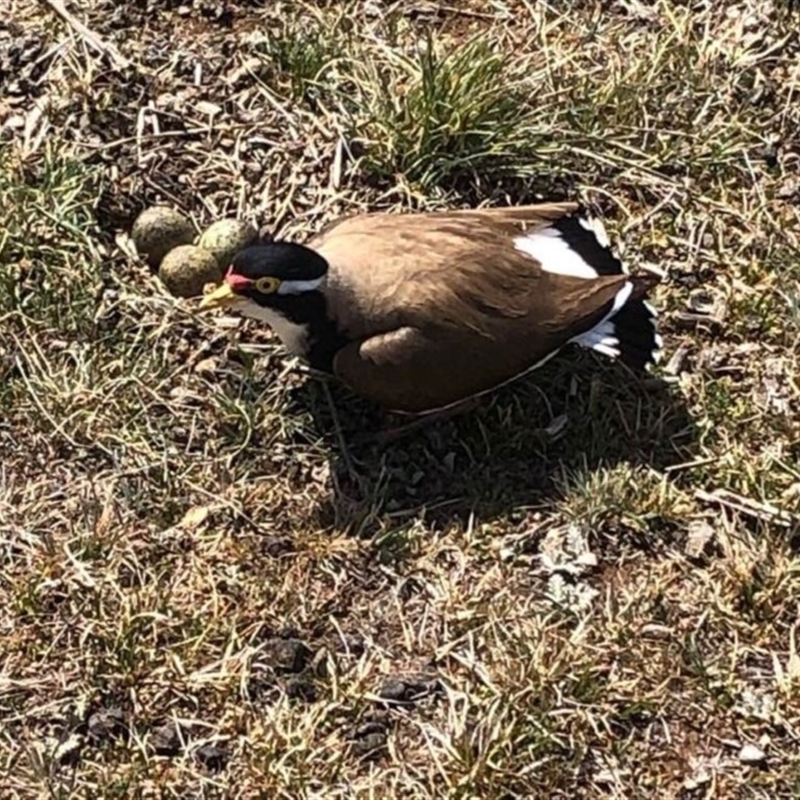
[(301, 689), (213, 757), (165, 739), (107, 723), (369, 745), (750, 754), (367, 728), (262, 683), (286, 655), (393, 689), (351, 643), (277, 546), (408, 689)]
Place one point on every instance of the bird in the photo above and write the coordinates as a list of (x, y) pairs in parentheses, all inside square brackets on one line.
[(421, 312)]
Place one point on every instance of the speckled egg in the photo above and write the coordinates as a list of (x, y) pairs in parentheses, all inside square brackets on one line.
[(186, 269), (159, 229), (226, 237)]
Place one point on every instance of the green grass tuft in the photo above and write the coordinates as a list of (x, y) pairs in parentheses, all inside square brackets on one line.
[(439, 111)]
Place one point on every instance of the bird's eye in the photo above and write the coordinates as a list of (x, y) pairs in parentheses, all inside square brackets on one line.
[(267, 285)]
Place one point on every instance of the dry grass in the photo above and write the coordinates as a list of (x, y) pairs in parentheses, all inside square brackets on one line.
[(587, 588)]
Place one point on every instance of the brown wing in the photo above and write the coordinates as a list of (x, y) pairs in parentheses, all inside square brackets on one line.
[(459, 268), (417, 369), (443, 306), (512, 218), (390, 270)]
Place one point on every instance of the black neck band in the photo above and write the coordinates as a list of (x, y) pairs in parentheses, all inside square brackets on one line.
[(309, 309)]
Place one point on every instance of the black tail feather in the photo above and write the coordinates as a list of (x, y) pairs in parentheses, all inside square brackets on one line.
[(635, 329)]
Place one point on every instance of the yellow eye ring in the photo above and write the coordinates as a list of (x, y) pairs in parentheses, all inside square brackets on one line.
[(267, 285)]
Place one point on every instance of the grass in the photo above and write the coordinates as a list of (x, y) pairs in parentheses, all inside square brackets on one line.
[(585, 588), (437, 113)]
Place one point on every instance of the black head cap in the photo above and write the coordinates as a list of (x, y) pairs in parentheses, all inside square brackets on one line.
[(285, 261)]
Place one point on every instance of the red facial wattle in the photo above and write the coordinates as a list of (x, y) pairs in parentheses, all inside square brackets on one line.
[(236, 282)]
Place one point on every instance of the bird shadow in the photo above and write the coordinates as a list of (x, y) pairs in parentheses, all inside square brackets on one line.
[(513, 451)]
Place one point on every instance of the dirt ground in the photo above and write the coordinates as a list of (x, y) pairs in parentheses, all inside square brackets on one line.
[(588, 587)]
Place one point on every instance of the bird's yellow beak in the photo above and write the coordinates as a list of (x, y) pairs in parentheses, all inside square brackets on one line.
[(220, 297)]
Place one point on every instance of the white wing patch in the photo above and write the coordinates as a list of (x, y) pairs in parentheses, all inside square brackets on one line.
[(555, 256)]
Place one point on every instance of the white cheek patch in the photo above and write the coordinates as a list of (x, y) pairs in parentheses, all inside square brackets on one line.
[(554, 254), (298, 287), (293, 336)]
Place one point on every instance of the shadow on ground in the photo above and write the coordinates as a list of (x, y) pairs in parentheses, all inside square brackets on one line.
[(512, 452)]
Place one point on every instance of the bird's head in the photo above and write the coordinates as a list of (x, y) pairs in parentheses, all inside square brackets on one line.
[(273, 275)]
